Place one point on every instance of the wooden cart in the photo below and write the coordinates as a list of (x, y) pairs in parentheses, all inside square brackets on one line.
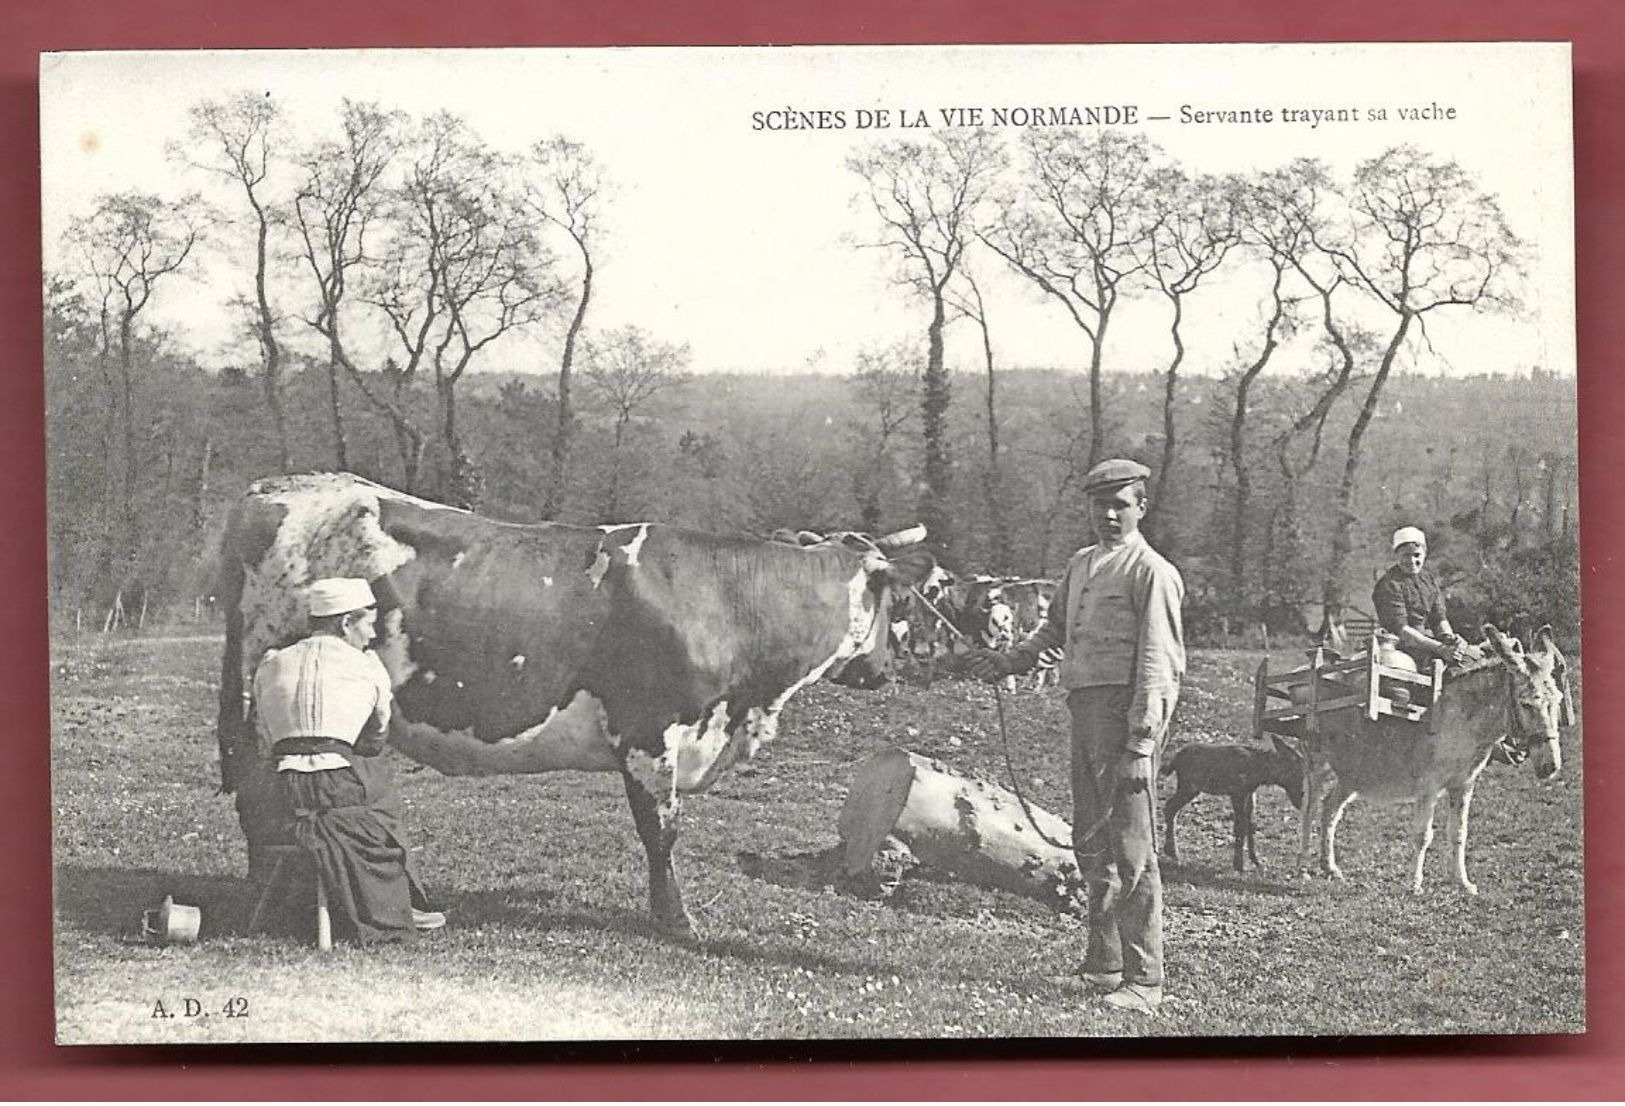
[(1294, 704)]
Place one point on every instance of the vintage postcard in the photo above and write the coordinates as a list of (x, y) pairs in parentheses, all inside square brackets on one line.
[(818, 542)]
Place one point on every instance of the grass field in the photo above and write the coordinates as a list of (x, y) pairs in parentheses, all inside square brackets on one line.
[(545, 883)]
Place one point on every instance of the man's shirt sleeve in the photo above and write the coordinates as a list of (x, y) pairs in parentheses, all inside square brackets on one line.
[(1159, 662)]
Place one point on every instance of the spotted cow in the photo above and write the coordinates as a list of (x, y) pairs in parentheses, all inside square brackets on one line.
[(662, 654), (1029, 599)]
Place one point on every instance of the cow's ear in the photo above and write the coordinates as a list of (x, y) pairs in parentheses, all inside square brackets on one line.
[(910, 567)]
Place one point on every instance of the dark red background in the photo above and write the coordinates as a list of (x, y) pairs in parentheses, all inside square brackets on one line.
[(1532, 1068)]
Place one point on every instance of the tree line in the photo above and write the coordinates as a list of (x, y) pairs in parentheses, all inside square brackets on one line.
[(1091, 218), (416, 230)]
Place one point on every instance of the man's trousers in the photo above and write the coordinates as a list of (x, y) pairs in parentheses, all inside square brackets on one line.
[(1114, 835)]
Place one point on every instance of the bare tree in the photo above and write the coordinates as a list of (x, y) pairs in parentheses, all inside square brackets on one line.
[(888, 385), (463, 267), (128, 245), (1194, 224), (627, 368), (966, 298), (1276, 228), (234, 138), (1421, 237), (927, 196), (335, 209), (566, 187), (1067, 463), (1078, 230)]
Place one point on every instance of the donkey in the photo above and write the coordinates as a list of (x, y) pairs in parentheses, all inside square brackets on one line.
[(1508, 693), (1237, 771)]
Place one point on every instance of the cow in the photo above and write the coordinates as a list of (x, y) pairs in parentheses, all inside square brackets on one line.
[(925, 632), (999, 631), (965, 604), (659, 653), (1029, 599)]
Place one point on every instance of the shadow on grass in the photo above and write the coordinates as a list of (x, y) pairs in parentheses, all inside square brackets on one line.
[(532, 909), (751, 950), (924, 891), (112, 900), (1281, 882)]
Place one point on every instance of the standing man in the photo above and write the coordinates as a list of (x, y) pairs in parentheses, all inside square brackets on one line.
[(1410, 603), (1117, 615), (324, 703)]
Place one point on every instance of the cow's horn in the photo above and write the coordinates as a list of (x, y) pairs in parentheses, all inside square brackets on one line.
[(909, 536)]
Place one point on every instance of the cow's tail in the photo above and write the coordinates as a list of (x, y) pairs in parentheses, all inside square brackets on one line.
[(232, 723)]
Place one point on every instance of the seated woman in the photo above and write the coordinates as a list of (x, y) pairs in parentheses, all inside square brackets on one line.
[(324, 702), (1410, 604)]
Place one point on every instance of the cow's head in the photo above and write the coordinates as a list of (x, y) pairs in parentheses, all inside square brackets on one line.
[(937, 582), (1541, 701), (887, 564)]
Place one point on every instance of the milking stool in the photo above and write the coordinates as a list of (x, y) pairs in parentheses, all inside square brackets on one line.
[(288, 860)]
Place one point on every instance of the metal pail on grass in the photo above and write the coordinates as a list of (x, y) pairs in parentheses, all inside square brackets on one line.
[(172, 923)]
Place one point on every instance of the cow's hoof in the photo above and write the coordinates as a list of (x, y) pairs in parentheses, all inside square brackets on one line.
[(677, 928), (1468, 887)]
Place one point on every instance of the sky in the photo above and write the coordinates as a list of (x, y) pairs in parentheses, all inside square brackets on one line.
[(746, 243)]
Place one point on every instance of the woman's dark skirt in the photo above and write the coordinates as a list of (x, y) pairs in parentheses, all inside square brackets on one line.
[(348, 821)]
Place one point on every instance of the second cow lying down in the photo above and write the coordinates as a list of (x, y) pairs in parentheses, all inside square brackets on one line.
[(1237, 771)]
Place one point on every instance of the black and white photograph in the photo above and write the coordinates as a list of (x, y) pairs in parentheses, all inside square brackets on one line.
[(813, 542)]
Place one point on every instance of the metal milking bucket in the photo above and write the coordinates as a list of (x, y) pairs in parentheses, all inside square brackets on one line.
[(172, 923)]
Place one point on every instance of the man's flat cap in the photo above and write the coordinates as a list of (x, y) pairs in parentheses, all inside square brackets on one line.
[(1113, 474)]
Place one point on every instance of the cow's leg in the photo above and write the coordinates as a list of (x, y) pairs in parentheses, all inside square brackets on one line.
[(1170, 811), (656, 817), (1335, 804), (1422, 836), (1249, 811), (1317, 781), (1460, 801), (1238, 832)]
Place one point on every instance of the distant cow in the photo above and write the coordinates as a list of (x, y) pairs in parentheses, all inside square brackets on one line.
[(1029, 599), (913, 606), (1237, 771), (999, 631), (662, 654), (999, 626)]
